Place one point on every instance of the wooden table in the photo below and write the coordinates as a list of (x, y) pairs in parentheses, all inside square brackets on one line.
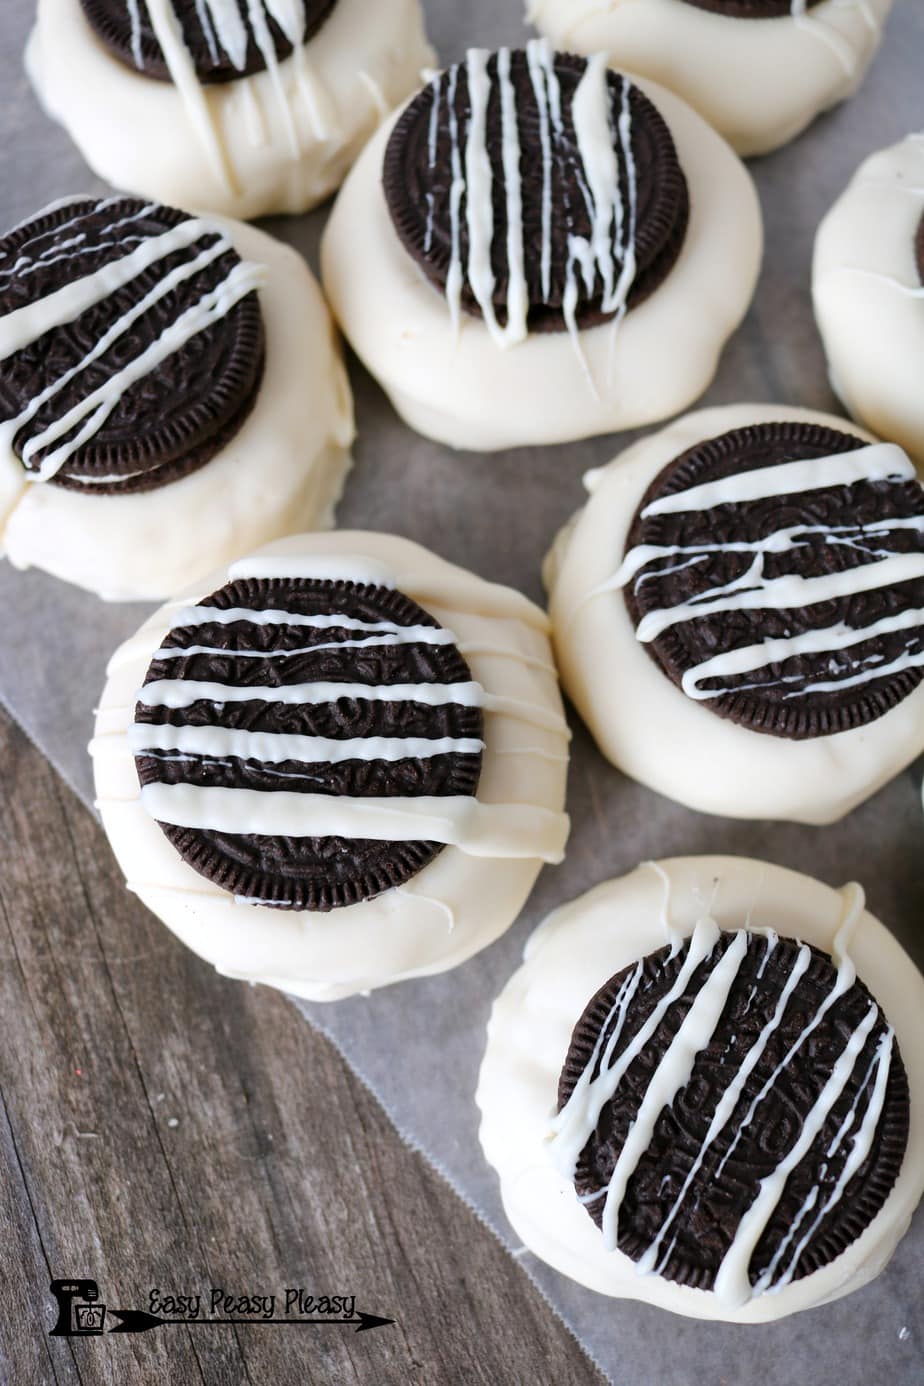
[(164, 1128)]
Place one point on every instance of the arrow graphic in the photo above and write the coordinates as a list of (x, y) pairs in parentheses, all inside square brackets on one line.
[(140, 1321)]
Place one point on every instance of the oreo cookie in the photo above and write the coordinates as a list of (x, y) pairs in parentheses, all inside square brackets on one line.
[(776, 573), (500, 186), (740, 1108), (919, 249), (224, 41), (131, 344), (750, 9), (274, 688)]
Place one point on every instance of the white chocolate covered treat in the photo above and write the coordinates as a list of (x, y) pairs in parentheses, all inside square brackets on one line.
[(133, 320), (815, 714), (599, 299), (868, 293), (296, 750), (833, 1075), (279, 140), (759, 81)]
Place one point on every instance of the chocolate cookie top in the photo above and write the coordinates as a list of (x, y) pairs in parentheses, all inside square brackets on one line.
[(776, 573), (540, 191), (751, 9), (131, 343), (280, 711), (734, 1113), (224, 40), (919, 249)]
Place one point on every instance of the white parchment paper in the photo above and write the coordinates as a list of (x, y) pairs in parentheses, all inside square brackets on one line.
[(497, 515)]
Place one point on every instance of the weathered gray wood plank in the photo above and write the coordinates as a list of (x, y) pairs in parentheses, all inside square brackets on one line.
[(163, 1127)]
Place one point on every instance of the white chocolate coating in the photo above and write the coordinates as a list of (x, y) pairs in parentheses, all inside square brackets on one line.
[(232, 147), (465, 390), (463, 899), (283, 470), (571, 955), (650, 728), (868, 296), (759, 82)]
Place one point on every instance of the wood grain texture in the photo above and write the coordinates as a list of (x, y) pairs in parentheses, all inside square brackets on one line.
[(161, 1126)]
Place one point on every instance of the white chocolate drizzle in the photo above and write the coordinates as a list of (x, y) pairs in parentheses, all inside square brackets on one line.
[(732, 1284), (275, 747), (573, 1125), (484, 830), (753, 591), (180, 693), (134, 17), (461, 820), (599, 1082), (601, 157), (26, 325), (224, 28)]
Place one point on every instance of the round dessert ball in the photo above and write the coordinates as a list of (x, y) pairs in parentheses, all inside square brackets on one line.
[(868, 291), (738, 612), (336, 763), (704, 1089), (758, 70), (235, 108), (171, 391), (538, 249)]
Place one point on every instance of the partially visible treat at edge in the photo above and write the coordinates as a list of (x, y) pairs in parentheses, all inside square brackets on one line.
[(132, 342), (753, 9), (776, 573), (750, 1158), (295, 643), (539, 191), (224, 41), (919, 249)]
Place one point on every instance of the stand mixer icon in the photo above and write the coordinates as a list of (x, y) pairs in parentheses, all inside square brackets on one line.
[(79, 1314)]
